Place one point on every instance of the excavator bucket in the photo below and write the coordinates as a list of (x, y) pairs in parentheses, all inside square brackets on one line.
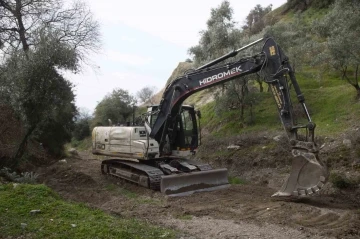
[(308, 175), (199, 181)]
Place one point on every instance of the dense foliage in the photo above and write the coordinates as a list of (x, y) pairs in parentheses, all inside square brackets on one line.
[(116, 108), (338, 47), (82, 125), (325, 40), (302, 5), (39, 40)]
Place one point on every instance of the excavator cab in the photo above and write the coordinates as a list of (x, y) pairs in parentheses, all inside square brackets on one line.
[(186, 130)]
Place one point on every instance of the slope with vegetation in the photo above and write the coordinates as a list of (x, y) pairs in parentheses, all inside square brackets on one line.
[(320, 40), (37, 103), (35, 211)]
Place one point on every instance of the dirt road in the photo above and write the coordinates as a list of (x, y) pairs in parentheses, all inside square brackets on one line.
[(240, 211)]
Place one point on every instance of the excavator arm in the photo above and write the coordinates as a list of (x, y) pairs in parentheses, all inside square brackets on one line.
[(308, 173)]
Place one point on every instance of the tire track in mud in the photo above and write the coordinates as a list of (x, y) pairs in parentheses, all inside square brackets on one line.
[(320, 216), (240, 211)]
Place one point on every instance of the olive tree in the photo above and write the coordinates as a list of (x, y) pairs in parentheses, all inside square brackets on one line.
[(146, 94), (220, 36), (82, 124), (39, 94), (339, 39), (255, 20), (23, 21), (294, 37), (116, 107), (39, 39)]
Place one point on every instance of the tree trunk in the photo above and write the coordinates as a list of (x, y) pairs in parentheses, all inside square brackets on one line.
[(251, 113), (357, 87), (261, 86), (354, 84), (357, 82), (22, 147), (21, 29)]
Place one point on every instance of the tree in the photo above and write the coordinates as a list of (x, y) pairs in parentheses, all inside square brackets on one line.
[(240, 95), (303, 5), (220, 36), (255, 20), (82, 124), (293, 37), (38, 38), (39, 95), (117, 106), (339, 39), (146, 94), (23, 21)]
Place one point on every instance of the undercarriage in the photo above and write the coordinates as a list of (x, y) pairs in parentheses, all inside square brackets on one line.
[(173, 176)]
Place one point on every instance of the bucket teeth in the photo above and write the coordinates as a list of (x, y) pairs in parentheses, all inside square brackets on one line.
[(309, 191), (320, 185), (316, 189), (308, 175)]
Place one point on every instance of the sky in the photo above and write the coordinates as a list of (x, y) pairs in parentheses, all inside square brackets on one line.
[(143, 42)]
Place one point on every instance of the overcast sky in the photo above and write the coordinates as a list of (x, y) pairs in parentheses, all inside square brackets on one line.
[(143, 42)]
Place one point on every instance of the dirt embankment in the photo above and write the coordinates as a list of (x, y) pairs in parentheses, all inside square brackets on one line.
[(240, 211)]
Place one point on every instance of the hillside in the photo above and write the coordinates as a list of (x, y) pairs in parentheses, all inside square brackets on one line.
[(332, 102), (74, 197)]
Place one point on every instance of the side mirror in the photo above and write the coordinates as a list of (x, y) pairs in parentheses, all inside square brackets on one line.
[(198, 113)]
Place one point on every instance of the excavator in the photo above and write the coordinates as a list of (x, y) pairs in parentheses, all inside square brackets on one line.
[(156, 154)]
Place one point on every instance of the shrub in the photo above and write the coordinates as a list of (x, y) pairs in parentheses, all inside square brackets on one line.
[(26, 177), (340, 181)]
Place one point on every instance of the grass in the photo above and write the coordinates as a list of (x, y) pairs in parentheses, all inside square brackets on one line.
[(330, 100), (331, 103), (235, 180), (185, 217), (84, 144), (136, 198), (339, 180), (56, 217)]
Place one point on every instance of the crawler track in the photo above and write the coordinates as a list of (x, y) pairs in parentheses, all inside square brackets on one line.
[(176, 177), (136, 172)]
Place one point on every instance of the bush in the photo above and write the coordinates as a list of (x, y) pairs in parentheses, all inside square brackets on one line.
[(339, 180), (81, 129), (26, 177)]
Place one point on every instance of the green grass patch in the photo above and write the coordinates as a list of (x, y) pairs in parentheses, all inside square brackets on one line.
[(56, 217), (235, 180), (330, 101), (84, 144), (128, 193), (184, 217)]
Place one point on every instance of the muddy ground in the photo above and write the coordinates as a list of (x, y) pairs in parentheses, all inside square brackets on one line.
[(240, 211)]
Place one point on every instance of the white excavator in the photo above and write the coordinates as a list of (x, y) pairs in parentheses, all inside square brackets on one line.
[(155, 154)]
